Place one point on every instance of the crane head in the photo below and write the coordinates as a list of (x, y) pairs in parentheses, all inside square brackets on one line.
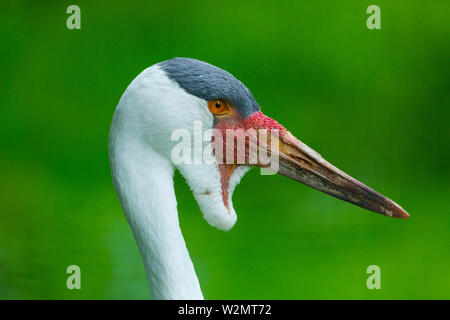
[(185, 99)]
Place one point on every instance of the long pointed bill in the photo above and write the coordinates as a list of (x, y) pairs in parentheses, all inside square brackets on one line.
[(299, 162)]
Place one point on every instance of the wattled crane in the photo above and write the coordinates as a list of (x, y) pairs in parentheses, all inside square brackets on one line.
[(173, 95)]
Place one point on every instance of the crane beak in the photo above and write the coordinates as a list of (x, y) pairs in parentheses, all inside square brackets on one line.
[(299, 162), (295, 160)]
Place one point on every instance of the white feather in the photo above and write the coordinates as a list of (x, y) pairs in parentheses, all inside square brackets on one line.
[(152, 107)]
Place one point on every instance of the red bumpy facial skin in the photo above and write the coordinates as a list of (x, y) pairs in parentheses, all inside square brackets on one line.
[(259, 121), (255, 121)]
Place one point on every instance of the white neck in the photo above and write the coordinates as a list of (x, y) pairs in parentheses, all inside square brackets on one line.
[(144, 182)]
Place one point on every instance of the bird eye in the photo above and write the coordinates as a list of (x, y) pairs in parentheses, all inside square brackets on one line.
[(219, 107)]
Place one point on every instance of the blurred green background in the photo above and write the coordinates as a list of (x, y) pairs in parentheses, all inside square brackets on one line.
[(373, 102)]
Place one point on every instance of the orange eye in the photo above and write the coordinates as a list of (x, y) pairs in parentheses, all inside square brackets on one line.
[(219, 107)]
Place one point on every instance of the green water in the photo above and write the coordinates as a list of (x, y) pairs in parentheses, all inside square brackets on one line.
[(374, 103)]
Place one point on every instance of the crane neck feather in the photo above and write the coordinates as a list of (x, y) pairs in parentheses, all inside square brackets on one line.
[(144, 182)]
